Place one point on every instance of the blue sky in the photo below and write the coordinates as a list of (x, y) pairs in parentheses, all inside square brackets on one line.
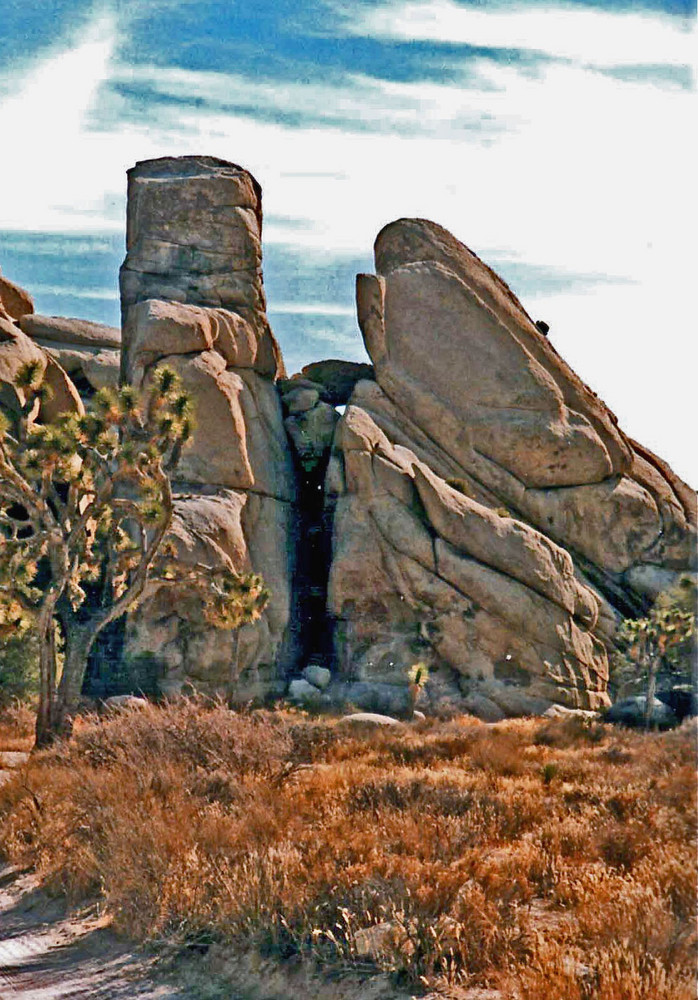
[(554, 139)]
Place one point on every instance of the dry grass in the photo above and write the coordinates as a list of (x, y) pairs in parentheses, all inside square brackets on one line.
[(550, 861), (16, 727)]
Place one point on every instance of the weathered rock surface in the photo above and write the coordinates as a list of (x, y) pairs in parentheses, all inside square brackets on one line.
[(65, 330), (490, 516), (236, 530), (421, 572), (192, 298), (16, 349), (15, 302), (336, 378)]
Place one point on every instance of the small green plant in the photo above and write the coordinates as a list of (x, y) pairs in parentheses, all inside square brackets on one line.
[(549, 772), (662, 641), (417, 677)]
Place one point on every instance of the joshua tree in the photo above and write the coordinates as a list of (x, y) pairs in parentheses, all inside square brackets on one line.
[(417, 677), (664, 639), (85, 507)]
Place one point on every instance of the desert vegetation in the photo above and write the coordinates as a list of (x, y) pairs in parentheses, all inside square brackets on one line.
[(542, 859), (86, 505)]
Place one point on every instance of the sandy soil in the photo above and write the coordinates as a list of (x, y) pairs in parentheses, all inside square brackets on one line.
[(49, 954)]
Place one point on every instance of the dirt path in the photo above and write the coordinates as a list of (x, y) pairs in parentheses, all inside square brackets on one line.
[(47, 954)]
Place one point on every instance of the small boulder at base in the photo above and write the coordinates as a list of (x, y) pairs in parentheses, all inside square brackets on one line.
[(318, 676), (682, 699), (371, 719), (563, 712), (483, 708), (121, 702), (302, 692), (631, 712)]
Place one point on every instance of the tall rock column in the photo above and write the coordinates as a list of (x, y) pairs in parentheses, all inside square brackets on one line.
[(192, 298)]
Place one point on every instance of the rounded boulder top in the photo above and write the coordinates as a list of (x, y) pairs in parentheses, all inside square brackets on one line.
[(187, 166), (200, 169)]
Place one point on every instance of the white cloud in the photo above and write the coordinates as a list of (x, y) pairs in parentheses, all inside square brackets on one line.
[(580, 172), (75, 291), (49, 150), (592, 37), (310, 309)]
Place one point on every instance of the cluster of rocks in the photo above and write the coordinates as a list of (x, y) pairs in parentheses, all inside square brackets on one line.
[(464, 501)]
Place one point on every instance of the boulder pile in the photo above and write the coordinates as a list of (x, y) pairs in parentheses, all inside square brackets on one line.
[(464, 502)]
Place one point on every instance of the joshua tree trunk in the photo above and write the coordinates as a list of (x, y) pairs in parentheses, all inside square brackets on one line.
[(58, 700), (46, 714), (652, 667), (78, 642)]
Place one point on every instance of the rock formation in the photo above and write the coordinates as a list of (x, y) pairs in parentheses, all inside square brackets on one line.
[(475, 509), (89, 352), (16, 349), (15, 302), (192, 298), (557, 522)]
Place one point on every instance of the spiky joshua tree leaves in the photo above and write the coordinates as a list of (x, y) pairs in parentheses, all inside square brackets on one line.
[(665, 639), (85, 507)]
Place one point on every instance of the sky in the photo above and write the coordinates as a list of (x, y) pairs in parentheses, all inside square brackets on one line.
[(554, 139)]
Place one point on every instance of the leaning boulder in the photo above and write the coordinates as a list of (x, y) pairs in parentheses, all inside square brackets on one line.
[(490, 517), (463, 370), (15, 302)]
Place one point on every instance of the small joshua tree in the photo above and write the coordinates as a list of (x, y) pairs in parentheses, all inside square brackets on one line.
[(417, 677), (85, 507), (665, 639)]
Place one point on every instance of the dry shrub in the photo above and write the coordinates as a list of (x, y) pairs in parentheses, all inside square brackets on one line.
[(569, 732), (499, 753), (16, 726), (612, 974), (622, 845), (429, 744), (198, 825), (189, 733)]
